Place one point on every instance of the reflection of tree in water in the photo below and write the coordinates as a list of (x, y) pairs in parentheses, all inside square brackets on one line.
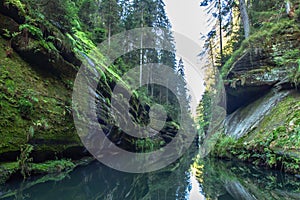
[(230, 180), (217, 180), (171, 182), (96, 181)]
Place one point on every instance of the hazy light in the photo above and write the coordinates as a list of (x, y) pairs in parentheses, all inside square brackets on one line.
[(189, 19)]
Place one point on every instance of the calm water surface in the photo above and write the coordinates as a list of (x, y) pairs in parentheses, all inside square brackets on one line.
[(190, 178)]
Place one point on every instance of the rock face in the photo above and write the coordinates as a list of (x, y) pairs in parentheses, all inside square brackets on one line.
[(260, 78), (36, 89), (263, 63), (36, 85), (262, 88), (249, 118)]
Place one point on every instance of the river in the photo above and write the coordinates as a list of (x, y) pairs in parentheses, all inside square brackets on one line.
[(191, 177)]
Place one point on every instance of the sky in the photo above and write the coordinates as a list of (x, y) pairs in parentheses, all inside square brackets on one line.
[(189, 19)]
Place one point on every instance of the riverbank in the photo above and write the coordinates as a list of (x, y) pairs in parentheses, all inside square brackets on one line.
[(42, 49), (261, 81), (191, 177), (12, 170)]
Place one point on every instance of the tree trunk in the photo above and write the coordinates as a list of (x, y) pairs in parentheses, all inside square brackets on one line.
[(220, 27), (245, 17), (109, 35), (141, 50), (211, 53), (288, 7)]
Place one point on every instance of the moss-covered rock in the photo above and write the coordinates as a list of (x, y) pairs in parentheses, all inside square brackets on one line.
[(33, 102), (261, 81), (38, 63), (268, 57), (268, 135)]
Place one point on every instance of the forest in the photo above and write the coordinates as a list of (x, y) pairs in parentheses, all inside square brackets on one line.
[(95, 102)]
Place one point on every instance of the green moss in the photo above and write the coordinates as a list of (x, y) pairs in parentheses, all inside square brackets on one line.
[(25, 108), (235, 56), (270, 33), (6, 170), (10, 85), (53, 166), (29, 92), (274, 143), (82, 42)]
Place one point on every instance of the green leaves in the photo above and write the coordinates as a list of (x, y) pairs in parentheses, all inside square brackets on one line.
[(24, 160), (33, 30), (25, 108)]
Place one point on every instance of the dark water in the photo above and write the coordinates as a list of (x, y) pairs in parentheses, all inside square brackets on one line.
[(190, 178)]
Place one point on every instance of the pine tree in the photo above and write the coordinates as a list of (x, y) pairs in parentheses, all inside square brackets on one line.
[(180, 68), (182, 91), (110, 12), (150, 13), (222, 11)]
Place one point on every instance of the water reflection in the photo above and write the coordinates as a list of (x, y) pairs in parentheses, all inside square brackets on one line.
[(189, 178), (227, 180)]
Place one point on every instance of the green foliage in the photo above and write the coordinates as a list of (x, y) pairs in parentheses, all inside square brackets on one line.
[(89, 15), (266, 38), (225, 145), (10, 36), (99, 35), (53, 166), (30, 133), (25, 108), (295, 78), (80, 21), (24, 159), (10, 85), (33, 30), (148, 144), (204, 113), (16, 3), (272, 149), (42, 124)]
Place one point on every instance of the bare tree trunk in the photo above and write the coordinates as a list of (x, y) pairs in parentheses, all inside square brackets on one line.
[(288, 7), (245, 17), (211, 53), (109, 35), (141, 50), (167, 93), (220, 27)]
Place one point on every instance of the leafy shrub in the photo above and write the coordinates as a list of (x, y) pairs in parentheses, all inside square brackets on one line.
[(16, 3), (25, 108), (34, 31), (24, 159)]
